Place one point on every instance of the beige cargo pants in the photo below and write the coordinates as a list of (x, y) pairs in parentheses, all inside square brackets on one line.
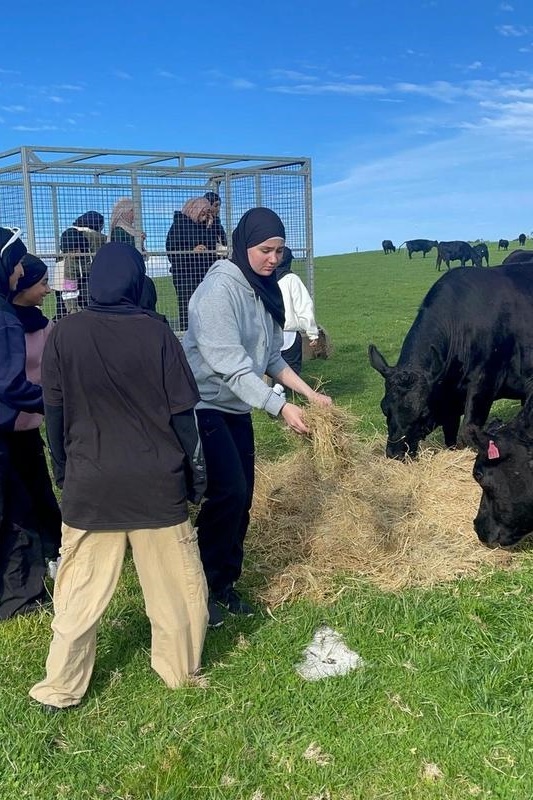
[(170, 572)]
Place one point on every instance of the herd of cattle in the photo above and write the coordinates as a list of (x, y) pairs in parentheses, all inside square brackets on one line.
[(450, 251), (471, 343)]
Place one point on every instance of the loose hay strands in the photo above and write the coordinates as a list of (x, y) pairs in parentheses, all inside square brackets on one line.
[(338, 507)]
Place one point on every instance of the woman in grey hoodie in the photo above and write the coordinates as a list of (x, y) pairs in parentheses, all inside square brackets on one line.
[(234, 338)]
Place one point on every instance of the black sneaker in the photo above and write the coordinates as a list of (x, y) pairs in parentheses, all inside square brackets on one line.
[(216, 618), (235, 604)]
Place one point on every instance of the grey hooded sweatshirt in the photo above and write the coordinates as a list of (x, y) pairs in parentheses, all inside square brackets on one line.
[(231, 342)]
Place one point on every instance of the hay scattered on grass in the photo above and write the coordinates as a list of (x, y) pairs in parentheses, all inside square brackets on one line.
[(337, 506)]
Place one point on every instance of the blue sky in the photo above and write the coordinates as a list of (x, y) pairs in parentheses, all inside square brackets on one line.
[(418, 116)]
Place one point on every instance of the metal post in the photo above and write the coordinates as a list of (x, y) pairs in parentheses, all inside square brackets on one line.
[(28, 201)]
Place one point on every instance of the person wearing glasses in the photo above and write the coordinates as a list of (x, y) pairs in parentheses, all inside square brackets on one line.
[(21, 574)]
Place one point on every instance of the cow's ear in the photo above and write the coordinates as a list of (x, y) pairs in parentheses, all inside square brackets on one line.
[(378, 362)]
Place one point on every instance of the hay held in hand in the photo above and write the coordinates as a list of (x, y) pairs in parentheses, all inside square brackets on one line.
[(338, 506)]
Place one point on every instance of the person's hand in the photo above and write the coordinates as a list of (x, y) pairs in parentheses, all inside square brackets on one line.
[(294, 417), (322, 400), (200, 248)]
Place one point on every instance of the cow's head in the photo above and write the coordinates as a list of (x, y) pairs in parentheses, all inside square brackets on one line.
[(405, 405), (504, 470), (477, 258)]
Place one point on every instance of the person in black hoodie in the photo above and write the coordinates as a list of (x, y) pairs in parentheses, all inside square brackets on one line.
[(119, 409), (191, 249), (21, 572)]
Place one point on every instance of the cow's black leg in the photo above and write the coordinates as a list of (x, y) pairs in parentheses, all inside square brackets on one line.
[(477, 409), (450, 429)]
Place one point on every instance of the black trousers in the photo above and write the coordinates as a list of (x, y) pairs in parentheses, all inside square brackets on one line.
[(187, 273), (40, 510), (22, 566), (228, 444), (293, 354)]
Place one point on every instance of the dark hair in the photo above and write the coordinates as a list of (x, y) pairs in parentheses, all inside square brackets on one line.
[(213, 197)]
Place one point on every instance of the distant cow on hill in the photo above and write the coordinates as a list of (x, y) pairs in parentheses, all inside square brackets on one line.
[(483, 252), (388, 246), (456, 251), (419, 246), (503, 244), (522, 239), (470, 344)]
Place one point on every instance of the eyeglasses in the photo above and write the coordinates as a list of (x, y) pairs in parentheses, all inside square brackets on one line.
[(16, 234)]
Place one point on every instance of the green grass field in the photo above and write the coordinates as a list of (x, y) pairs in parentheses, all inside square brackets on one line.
[(442, 710)]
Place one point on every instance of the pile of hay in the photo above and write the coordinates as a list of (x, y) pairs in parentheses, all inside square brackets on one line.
[(337, 506)]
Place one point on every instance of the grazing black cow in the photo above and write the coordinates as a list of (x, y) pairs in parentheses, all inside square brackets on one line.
[(470, 344), (419, 246), (522, 239), (503, 244), (483, 252), (457, 251), (388, 246), (504, 470)]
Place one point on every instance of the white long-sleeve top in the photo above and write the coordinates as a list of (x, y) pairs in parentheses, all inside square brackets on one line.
[(299, 309)]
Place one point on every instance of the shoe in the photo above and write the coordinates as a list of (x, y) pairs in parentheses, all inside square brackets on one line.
[(216, 618), (232, 600)]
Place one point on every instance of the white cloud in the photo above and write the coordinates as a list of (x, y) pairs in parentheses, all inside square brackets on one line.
[(242, 83), (15, 109), (506, 7), (475, 65), (56, 99), (163, 73), (35, 128), (513, 30), (123, 76), (330, 88)]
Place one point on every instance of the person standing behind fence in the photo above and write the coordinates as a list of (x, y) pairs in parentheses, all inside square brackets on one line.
[(122, 227), (299, 313), (21, 575), (119, 405), (40, 511), (79, 244), (191, 249), (234, 337), (220, 233)]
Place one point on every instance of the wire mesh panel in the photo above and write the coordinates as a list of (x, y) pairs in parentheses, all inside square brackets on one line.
[(145, 199)]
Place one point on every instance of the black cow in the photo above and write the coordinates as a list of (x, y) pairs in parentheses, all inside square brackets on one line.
[(388, 246), (503, 244), (504, 470), (470, 344), (519, 257), (483, 252), (419, 246), (522, 239), (457, 251)]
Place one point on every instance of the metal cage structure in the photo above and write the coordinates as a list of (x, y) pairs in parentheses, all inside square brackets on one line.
[(44, 189)]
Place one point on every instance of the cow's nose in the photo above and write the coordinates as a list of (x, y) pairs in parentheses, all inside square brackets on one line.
[(485, 533), (398, 450)]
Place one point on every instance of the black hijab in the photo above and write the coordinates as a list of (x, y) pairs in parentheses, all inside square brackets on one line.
[(31, 317), (285, 265), (148, 301), (256, 226), (116, 280), (10, 257)]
